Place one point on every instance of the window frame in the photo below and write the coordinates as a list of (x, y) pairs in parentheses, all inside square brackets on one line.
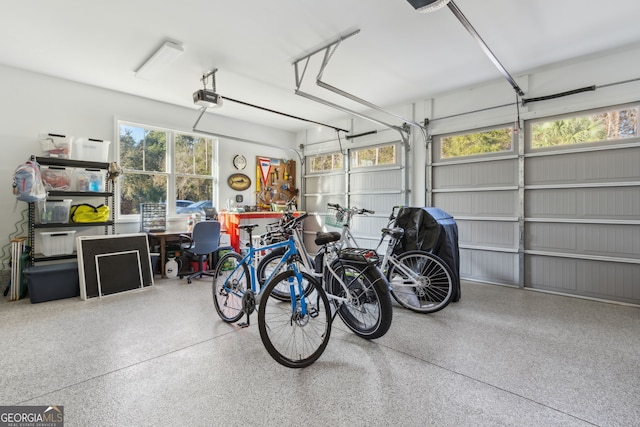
[(170, 167), (439, 140), (326, 171), (397, 155), (529, 124)]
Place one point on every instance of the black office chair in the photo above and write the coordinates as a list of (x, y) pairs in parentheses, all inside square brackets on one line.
[(204, 240)]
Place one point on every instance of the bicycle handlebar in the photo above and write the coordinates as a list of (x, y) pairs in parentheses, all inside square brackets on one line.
[(355, 210)]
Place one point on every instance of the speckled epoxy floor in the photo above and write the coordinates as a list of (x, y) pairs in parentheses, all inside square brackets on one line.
[(162, 357)]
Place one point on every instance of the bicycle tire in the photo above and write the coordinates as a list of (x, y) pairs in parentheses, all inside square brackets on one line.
[(370, 313), (293, 340), (231, 280), (431, 291), (265, 269)]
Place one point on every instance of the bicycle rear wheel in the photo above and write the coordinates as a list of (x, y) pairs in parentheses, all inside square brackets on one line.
[(293, 338), (422, 282), (230, 282), (369, 312)]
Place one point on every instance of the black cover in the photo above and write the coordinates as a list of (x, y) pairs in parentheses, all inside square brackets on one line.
[(434, 230)]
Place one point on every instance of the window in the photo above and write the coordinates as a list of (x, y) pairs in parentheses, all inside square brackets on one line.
[(378, 156), (326, 163), (603, 125), (470, 144), (161, 165)]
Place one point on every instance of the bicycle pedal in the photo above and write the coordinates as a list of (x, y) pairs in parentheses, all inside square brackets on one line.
[(243, 325), (313, 312)]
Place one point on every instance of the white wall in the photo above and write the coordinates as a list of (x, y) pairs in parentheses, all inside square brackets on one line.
[(32, 103)]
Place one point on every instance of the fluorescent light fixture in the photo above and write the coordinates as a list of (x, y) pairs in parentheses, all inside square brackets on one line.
[(426, 6), (164, 56)]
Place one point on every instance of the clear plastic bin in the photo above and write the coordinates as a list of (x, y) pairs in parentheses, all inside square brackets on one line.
[(56, 178), (54, 145), (90, 180), (58, 242), (53, 211)]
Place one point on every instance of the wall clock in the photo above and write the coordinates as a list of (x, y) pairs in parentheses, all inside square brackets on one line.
[(240, 162), (239, 181)]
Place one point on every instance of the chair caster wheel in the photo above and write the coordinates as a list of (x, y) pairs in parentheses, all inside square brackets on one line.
[(188, 281)]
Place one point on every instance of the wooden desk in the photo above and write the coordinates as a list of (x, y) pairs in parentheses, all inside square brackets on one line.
[(231, 220), (162, 237)]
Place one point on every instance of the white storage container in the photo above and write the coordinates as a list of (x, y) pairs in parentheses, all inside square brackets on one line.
[(92, 150), (58, 242), (54, 145)]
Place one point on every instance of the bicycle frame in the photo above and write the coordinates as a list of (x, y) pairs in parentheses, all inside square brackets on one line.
[(289, 254)]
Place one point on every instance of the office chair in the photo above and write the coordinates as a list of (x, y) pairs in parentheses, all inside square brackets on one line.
[(204, 240)]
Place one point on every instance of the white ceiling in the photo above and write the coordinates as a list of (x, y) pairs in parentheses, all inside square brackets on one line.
[(398, 55)]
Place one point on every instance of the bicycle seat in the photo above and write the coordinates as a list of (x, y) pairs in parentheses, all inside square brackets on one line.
[(395, 232), (248, 227), (328, 237)]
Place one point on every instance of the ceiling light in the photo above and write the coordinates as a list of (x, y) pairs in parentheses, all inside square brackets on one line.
[(426, 6), (164, 56)]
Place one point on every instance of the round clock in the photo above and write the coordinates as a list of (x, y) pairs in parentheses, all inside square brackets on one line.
[(240, 162), (239, 181)]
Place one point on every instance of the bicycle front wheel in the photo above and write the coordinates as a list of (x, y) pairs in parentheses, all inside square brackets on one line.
[(294, 334), (231, 280), (367, 310), (421, 282)]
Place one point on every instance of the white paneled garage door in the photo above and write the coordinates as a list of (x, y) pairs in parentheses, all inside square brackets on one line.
[(556, 218), (372, 184)]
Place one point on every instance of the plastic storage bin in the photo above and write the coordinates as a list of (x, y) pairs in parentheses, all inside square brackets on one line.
[(54, 145), (90, 180), (56, 178), (57, 242), (92, 150), (52, 282), (53, 211)]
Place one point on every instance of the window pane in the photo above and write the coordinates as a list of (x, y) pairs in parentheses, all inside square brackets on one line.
[(604, 126), (195, 189), (194, 155), (139, 188), (374, 156), (491, 141), (143, 149), (326, 163)]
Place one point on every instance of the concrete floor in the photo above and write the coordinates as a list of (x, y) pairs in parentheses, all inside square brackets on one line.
[(162, 357)]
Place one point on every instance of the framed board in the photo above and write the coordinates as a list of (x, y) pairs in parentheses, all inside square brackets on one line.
[(113, 263), (275, 181)]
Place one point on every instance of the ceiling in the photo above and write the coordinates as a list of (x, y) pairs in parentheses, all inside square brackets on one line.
[(398, 55)]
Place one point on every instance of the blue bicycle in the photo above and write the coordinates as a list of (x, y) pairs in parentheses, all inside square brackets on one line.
[(302, 317)]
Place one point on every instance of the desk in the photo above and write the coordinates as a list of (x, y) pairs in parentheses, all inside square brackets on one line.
[(162, 237), (231, 220)]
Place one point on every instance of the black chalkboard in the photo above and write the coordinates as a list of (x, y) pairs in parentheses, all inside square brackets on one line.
[(113, 263)]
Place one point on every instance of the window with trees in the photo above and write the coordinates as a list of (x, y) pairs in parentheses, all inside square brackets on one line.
[(376, 156), (597, 126), (164, 166), (326, 163), (479, 142)]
